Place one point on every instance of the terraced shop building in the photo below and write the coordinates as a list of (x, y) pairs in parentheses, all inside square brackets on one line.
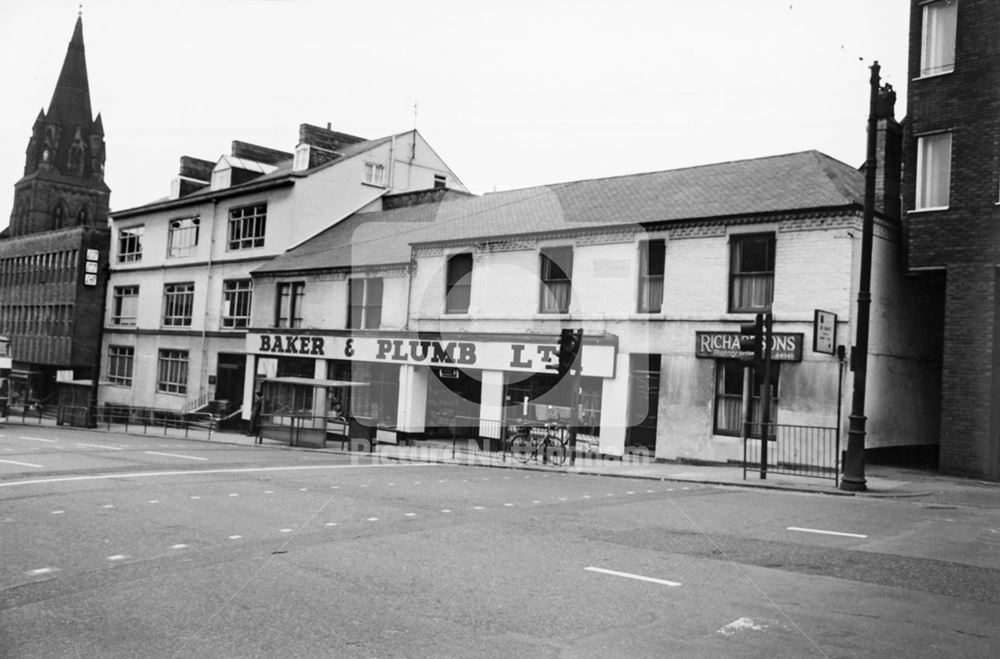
[(449, 307)]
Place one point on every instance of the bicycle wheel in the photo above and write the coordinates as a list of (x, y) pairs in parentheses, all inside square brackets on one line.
[(520, 448), (556, 452)]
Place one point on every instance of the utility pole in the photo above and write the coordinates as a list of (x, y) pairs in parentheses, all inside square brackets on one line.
[(765, 395), (854, 460)]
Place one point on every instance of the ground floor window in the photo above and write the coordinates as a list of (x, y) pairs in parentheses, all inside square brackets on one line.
[(379, 400), (172, 372), (729, 395), (544, 397), (120, 361)]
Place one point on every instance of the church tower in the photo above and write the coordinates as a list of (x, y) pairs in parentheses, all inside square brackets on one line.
[(63, 183)]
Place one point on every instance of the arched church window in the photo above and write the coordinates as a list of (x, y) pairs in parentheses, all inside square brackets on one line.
[(83, 216), (59, 216)]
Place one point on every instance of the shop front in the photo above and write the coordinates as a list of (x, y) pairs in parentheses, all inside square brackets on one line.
[(420, 387)]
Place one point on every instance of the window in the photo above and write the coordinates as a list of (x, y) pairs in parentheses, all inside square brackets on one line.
[(364, 303), (290, 296), (933, 171), (178, 304), (729, 396), (172, 372), (651, 260), (130, 244), (374, 173), (246, 226), (937, 53), (378, 401), (120, 361), (440, 181), (183, 237), (236, 296), (458, 284), (751, 272), (556, 275), (125, 305)]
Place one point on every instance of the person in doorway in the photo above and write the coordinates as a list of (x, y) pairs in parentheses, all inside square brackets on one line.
[(255, 411)]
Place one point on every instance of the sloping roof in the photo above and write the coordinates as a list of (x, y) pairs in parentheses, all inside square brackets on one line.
[(790, 182)]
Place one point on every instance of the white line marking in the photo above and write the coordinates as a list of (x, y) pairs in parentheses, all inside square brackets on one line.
[(637, 577), (58, 512), (410, 514), (110, 448), (330, 524), (235, 537), (39, 439), (108, 505), (189, 472), (372, 519), (40, 571), (175, 455), (117, 557), (446, 510), (286, 530), (178, 546), (821, 531), (20, 464)]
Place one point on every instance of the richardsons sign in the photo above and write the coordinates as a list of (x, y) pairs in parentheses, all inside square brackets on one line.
[(726, 345), (524, 356)]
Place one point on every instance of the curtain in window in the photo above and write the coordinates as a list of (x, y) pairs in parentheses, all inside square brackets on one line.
[(556, 275), (651, 256), (933, 171), (938, 49)]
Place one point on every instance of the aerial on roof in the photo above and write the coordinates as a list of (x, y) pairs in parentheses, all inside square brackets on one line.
[(791, 182)]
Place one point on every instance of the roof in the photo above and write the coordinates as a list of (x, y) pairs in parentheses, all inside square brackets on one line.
[(790, 182)]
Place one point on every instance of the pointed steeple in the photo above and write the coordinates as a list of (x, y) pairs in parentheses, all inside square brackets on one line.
[(71, 99)]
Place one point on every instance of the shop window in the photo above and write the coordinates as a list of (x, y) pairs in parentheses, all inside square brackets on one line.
[(289, 308), (651, 263), (120, 362), (246, 226), (364, 303), (541, 397), (937, 50), (125, 305), (729, 396), (236, 297), (458, 284), (933, 171), (751, 272), (172, 372), (379, 400), (130, 244), (178, 304), (183, 237), (556, 275)]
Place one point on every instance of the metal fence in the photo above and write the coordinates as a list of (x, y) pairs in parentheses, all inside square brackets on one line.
[(812, 451), (150, 418)]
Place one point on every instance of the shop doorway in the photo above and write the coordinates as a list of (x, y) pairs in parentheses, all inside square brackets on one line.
[(453, 397), (230, 370), (644, 398)]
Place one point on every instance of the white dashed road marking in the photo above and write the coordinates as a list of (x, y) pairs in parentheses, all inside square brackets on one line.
[(637, 577), (40, 571), (20, 464), (821, 531), (117, 557), (176, 455), (109, 448), (38, 439)]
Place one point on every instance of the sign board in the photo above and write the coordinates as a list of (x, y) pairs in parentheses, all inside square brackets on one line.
[(90, 280), (91, 267), (92, 254), (824, 332), (500, 355), (726, 345)]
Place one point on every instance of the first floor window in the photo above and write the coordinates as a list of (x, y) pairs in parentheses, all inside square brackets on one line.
[(172, 372), (125, 305), (247, 226), (290, 296), (120, 362), (236, 297), (178, 304), (933, 171), (651, 263), (364, 300), (557, 279), (729, 396), (937, 48), (458, 284), (751, 272)]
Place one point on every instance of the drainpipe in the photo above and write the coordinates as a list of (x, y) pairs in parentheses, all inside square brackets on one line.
[(208, 288)]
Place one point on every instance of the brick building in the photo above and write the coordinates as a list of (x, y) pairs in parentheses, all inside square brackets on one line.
[(449, 309), (53, 251), (951, 219)]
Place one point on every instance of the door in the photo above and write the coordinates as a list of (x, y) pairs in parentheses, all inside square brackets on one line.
[(644, 398), (229, 372)]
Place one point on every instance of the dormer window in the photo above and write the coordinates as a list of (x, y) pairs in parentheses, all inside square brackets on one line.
[(374, 174)]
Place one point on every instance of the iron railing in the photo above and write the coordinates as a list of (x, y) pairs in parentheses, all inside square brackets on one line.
[(812, 451)]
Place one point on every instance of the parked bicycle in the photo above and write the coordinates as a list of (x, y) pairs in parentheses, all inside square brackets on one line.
[(527, 443)]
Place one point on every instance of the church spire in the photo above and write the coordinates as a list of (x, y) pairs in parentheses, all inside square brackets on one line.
[(71, 99)]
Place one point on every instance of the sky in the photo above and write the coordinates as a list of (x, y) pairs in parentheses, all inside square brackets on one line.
[(510, 94)]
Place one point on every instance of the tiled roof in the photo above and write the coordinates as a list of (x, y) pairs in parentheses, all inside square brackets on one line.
[(796, 181)]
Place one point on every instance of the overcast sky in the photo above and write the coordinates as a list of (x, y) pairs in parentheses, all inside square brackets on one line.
[(510, 94)]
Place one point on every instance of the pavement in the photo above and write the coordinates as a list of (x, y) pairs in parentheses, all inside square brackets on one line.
[(925, 487)]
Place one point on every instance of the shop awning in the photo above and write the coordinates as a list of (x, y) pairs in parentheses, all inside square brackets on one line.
[(310, 382)]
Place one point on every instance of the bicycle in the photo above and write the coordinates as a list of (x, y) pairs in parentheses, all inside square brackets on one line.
[(526, 445)]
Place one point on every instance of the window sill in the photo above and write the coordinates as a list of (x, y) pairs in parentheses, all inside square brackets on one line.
[(932, 209), (927, 76), (374, 185)]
